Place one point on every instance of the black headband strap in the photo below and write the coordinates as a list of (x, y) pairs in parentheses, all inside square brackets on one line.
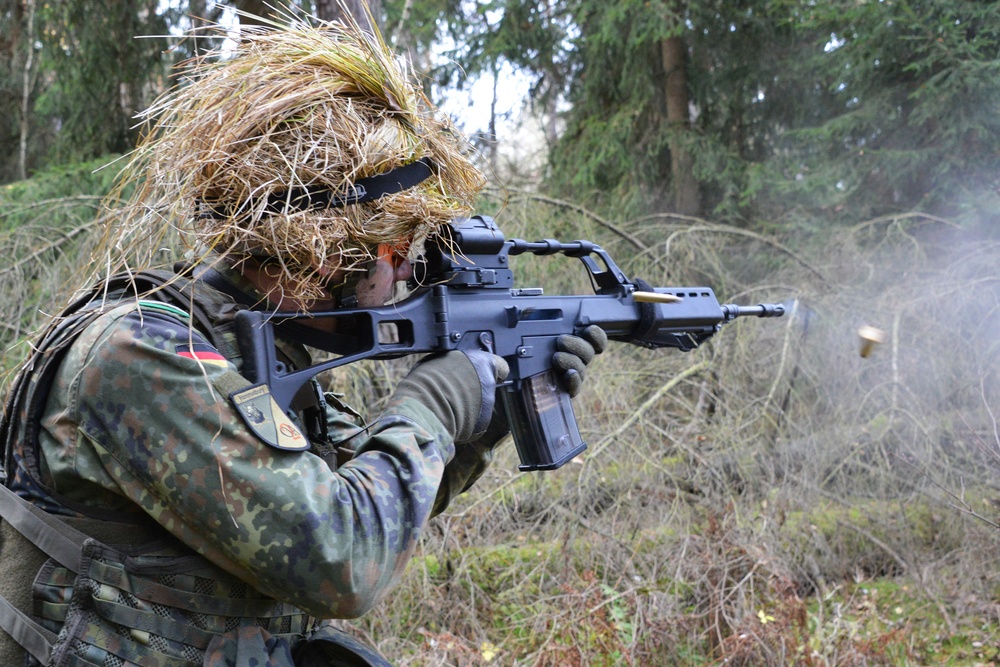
[(309, 198), (366, 189)]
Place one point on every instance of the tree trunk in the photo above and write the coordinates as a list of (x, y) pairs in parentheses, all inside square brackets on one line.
[(198, 15), (400, 38), (550, 100), (687, 194), (254, 10), (338, 10), (22, 158), (492, 138)]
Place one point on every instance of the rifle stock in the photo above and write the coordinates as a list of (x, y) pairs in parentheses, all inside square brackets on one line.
[(464, 298)]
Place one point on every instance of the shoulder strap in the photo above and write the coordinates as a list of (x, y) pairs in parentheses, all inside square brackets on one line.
[(39, 368), (57, 539), (172, 288), (213, 310), (31, 636)]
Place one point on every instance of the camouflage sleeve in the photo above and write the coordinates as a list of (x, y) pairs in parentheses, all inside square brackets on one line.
[(470, 462), (330, 541)]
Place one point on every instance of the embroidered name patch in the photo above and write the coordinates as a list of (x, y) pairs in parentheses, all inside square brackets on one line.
[(202, 352), (262, 415)]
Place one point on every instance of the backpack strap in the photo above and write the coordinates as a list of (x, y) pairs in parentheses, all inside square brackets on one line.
[(58, 540), (31, 381), (31, 636)]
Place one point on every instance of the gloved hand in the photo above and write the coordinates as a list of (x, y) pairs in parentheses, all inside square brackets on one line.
[(574, 353), (473, 458), (459, 388)]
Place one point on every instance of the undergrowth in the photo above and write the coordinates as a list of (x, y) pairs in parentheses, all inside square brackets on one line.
[(770, 498)]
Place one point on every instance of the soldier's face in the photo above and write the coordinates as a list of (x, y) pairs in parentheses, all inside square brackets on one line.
[(375, 289)]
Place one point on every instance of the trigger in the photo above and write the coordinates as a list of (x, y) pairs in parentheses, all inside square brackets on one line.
[(486, 341)]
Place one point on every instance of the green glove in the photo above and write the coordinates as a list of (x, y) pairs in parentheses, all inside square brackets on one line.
[(473, 458), (459, 388), (573, 355)]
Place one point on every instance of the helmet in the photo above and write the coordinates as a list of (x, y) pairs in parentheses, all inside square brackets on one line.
[(308, 145)]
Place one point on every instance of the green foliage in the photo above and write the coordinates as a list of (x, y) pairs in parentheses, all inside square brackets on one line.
[(46, 224), (852, 109), (890, 108), (904, 106), (94, 65), (106, 68), (616, 137), (30, 201)]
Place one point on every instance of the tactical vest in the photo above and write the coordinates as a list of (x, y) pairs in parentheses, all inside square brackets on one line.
[(114, 591)]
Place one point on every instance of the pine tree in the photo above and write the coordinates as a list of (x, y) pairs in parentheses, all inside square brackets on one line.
[(904, 105), (843, 107), (105, 66)]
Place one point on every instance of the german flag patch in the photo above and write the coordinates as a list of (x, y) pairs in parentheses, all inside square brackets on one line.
[(202, 352)]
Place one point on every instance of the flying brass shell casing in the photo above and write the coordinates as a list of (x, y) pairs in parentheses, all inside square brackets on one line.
[(870, 337)]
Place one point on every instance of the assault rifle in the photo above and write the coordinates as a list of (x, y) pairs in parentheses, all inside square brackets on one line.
[(464, 298)]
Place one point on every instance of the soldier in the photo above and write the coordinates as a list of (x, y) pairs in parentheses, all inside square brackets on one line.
[(157, 508)]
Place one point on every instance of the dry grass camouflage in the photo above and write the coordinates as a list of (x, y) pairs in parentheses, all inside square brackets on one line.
[(305, 107)]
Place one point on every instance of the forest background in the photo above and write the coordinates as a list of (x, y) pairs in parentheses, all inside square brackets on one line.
[(771, 498)]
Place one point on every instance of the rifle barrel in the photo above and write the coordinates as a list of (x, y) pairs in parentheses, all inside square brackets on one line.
[(732, 311)]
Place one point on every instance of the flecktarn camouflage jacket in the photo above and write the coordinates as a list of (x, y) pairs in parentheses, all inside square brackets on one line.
[(233, 529)]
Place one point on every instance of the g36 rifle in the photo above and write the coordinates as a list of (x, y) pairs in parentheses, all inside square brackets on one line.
[(464, 298)]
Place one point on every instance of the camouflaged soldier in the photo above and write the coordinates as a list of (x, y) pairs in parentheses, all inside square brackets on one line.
[(157, 509)]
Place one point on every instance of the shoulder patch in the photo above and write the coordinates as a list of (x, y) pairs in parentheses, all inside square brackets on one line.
[(262, 415), (202, 352)]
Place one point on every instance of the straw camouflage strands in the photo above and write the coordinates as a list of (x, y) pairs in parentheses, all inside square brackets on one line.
[(293, 108)]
